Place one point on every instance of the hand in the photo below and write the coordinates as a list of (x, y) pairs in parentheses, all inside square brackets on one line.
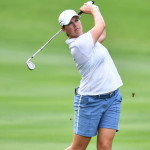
[(88, 7), (95, 6), (89, 2)]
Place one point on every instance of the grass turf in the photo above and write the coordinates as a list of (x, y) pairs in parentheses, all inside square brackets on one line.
[(36, 108)]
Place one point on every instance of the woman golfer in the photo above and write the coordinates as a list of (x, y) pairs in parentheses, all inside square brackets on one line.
[(97, 100)]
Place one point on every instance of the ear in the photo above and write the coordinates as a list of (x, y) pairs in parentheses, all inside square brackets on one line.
[(63, 29)]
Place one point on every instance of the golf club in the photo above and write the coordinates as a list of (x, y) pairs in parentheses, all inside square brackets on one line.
[(30, 65)]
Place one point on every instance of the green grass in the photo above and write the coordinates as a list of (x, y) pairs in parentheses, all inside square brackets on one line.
[(36, 107)]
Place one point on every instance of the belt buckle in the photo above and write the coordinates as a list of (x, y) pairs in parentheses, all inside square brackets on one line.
[(76, 91)]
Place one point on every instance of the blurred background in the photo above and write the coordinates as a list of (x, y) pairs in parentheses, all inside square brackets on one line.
[(36, 107)]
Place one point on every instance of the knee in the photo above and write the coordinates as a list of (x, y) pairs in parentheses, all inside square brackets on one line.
[(75, 148), (104, 146)]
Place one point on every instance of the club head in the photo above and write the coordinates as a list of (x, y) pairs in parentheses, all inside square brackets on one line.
[(30, 65)]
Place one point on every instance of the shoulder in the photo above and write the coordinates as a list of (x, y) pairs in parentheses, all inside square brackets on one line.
[(83, 44), (85, 40), (80, 41)]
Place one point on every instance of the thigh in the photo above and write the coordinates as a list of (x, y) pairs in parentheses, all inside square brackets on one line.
[(111, 116), (80, 142), (105, 138), (87, 115)]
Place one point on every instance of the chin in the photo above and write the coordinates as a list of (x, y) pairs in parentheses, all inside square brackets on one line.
[(79, 33), (76, 35)]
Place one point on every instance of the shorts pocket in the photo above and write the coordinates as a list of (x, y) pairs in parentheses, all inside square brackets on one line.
[(119, 97), (80, 101)]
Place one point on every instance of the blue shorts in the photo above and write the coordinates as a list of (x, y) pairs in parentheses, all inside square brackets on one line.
[(94, 112)]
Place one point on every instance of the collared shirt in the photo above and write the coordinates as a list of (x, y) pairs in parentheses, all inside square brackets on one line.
[(98, 72)]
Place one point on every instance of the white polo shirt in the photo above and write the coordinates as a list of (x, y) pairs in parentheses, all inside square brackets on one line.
[(97, 69)]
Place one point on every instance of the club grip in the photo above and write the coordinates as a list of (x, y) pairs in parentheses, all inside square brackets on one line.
[(82, 11)]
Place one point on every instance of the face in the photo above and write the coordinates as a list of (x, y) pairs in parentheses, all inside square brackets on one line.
[(74, 28)]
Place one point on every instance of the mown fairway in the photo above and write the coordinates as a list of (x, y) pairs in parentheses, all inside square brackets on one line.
[(36, 107)]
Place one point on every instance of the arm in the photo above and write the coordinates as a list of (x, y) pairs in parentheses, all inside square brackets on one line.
[(97, 31), (102, 37)]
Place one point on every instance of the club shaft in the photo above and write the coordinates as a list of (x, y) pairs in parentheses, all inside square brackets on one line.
[(44, 45)]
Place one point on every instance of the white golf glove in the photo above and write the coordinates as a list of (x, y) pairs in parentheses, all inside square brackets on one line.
[(89, 2), (95, 6)]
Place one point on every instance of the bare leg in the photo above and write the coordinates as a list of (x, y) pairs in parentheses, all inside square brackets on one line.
[(105, 138), (79, 142)]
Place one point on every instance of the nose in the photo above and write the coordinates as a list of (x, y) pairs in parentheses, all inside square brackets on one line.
[(75, 24)]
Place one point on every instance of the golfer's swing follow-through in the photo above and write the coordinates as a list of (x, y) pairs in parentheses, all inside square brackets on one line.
[(97, 101)]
